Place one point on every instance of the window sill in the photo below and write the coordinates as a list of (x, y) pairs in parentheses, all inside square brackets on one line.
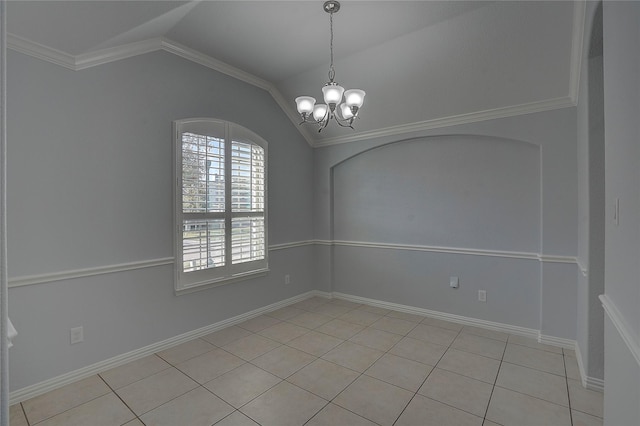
[(223, 281)]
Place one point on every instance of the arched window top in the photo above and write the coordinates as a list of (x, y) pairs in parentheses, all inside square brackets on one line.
[(220, 203)]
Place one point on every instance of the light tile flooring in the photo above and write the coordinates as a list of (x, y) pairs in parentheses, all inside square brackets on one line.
[(332, 362)]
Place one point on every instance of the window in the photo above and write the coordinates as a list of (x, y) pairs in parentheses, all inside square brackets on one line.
[(220, 203)]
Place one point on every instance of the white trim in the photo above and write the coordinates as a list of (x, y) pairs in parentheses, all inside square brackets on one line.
[(591, 383), (112, 54), (623, 329), (455, 250), (41, 51), (571, 100), (550, 258), (294, 244), (151, 263), (287, 107), (577, 40), (62, 380), (594, 384), (489, 325), (189, 54), (472, 117), (121, 267), (205, 285), (556, 341), (87, 272), (583, 269), (215, 64), (438, 249), (103, 56), (5, 324)]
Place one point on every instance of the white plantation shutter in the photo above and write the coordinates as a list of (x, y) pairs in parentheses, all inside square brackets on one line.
[(220, 200)]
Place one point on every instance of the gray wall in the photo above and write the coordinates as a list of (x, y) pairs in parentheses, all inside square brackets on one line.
[(89, 185), (621, 34), (500, 185), (591, 192)]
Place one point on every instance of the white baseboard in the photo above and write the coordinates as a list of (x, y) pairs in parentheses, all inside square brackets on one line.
[(591, 383), (65, 379), (73, 376), (556, 341), (490, 325)]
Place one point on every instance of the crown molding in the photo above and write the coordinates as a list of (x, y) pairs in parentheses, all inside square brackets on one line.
[(213, 63), (292, 114), (454, 120), (571, 100), (104, 56), (112, 54), (117, 53), (41, 51)]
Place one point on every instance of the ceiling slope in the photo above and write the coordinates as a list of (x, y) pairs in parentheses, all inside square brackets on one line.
[(423, 64)]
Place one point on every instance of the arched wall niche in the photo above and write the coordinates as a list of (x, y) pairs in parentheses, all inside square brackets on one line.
[(464, 191), (408, 215)]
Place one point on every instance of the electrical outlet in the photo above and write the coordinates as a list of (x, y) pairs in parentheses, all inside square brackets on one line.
[(453, 282), (287, 279), (482, 295), (77, 335)]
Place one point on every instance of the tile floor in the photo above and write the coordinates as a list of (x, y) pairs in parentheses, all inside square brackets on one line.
[(332, 362)]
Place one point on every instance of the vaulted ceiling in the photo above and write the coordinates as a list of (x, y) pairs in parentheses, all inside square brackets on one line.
[(423, 64)]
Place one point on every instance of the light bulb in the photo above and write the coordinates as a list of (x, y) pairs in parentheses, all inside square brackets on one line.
[(354, 97), (305, 104), (319, 112), (332, 93), (345, 111)]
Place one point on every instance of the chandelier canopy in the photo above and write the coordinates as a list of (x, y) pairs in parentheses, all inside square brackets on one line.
[(340, 105)]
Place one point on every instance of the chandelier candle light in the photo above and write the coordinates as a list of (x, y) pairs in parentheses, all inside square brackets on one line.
[(342, 111)]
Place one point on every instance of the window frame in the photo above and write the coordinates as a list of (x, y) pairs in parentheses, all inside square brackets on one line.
[(186, 282)]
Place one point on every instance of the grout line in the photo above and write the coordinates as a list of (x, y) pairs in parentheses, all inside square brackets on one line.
[(24, 413), (352, 308), (118, 396), (495, 381), (425, 379), (564, 364)]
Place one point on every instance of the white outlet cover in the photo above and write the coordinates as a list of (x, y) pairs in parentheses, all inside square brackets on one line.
[(482, 295), (453, 282), (77, 335)]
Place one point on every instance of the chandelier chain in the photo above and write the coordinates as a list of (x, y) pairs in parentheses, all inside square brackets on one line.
[(332, 72)]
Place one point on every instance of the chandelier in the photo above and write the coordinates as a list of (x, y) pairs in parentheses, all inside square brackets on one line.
[(343, 110)]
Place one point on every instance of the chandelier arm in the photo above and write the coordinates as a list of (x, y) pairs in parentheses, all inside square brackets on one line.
[(344, 120)]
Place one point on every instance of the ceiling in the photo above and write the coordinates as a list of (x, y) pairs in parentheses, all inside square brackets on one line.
[(423, 64)]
